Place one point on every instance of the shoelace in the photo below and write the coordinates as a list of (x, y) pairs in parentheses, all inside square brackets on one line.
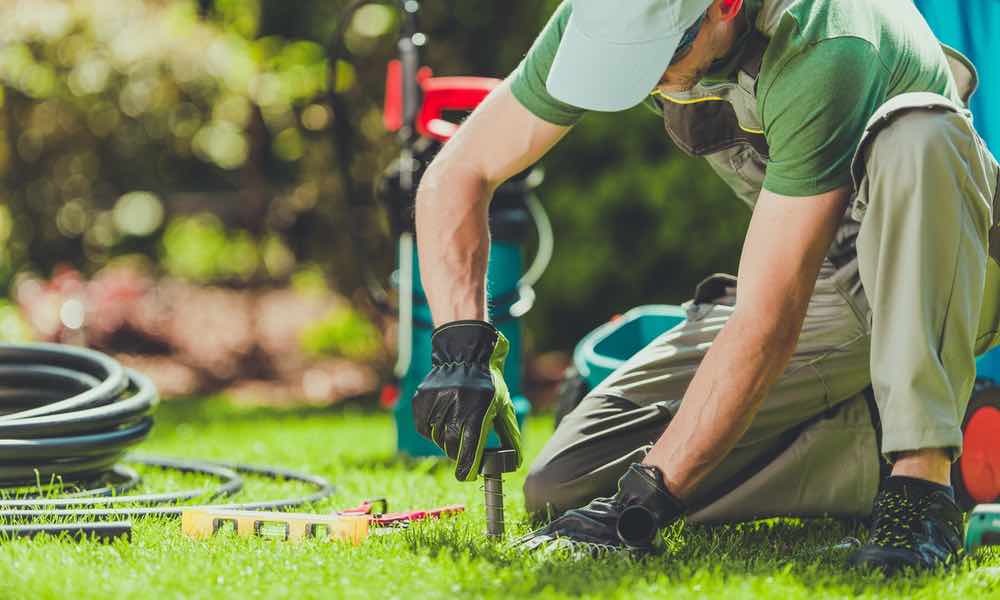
[(894, 519)]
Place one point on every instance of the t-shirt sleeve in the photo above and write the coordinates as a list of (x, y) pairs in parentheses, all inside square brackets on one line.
[(814, 112), (528, 80)]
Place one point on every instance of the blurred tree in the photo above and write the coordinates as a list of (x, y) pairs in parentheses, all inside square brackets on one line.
[(186, 130)]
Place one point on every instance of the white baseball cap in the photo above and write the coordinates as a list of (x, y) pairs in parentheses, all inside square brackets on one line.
[(613, 54)]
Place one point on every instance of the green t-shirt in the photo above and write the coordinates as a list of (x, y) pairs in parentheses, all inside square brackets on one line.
[(828, 66)]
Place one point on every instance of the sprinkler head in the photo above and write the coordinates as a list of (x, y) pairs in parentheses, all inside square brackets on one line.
[(495, 463)]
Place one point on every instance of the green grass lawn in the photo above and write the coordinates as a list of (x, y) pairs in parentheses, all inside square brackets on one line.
[(449, 559)]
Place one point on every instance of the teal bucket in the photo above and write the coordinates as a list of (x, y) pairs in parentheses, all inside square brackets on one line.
[(988, 366), (504, 273), (606, 348)]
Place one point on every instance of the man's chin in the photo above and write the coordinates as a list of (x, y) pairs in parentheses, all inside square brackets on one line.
[(680, 86), (684, 84)]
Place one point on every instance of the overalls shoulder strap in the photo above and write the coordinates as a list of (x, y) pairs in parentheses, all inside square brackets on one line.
[(964, 72)]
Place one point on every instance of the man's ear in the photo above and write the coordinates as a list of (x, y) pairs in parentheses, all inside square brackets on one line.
[(728, 9)]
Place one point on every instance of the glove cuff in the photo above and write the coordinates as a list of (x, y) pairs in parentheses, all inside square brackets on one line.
[(647, 505), (468, 341)]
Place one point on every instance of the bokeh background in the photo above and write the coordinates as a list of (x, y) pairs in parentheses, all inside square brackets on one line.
[(169, 191)]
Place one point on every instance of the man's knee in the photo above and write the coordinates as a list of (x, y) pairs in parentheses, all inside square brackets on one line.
[(915, 139), (552, 488), (546, 492), (536, 486), (589, 451), (916, 159)]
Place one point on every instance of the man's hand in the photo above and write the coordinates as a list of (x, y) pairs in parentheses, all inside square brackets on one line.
[(464, 395), (630, 521)]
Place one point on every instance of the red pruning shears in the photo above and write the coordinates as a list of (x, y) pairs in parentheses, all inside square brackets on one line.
[(378, 509)]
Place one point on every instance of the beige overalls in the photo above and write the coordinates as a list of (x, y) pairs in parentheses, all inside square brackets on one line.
[(905, 300)]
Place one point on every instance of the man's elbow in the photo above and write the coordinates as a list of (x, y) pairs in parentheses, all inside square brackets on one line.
[(433, 176), (449, 177)]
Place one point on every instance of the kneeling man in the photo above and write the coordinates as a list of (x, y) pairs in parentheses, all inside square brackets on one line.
[(846, 345)]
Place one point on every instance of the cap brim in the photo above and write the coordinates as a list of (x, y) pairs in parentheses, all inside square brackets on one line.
[(597, 75)]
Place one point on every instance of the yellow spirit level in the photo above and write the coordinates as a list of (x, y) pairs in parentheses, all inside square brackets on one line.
[(202, 523)]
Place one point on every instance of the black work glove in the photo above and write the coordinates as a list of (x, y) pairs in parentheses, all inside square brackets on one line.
[(630, 520), (464, 395)]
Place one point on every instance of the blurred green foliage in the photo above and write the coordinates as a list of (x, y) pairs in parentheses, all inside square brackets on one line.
[(200, 133), (199, 248), (124, 121), (343, 332), (12, 325)]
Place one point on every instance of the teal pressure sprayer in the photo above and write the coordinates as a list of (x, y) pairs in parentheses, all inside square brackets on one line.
[(416, 107)]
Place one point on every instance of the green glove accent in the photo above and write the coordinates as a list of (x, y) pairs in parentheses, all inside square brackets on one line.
[(465, 395)]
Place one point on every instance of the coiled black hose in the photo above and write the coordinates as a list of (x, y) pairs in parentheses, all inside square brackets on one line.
[(70, 412), (68, 415)]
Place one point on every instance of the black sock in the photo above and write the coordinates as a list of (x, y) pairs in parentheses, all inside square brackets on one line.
[(914, 488)]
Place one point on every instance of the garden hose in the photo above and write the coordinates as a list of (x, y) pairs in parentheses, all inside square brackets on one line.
[(68, 415)]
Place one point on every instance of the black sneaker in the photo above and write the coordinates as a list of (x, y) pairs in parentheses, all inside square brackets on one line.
[(914, 524)]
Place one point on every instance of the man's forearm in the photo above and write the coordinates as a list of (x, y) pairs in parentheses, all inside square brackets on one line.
[(453, 243), (499, 139), (746, 357)]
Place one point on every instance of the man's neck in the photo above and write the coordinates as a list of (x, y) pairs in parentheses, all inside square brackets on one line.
[(725, 67)]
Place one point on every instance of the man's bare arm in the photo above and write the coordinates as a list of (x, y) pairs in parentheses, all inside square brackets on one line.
[(498, 140), (782, 255)]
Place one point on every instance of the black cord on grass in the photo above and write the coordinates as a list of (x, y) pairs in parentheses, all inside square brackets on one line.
[(72, 414)]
